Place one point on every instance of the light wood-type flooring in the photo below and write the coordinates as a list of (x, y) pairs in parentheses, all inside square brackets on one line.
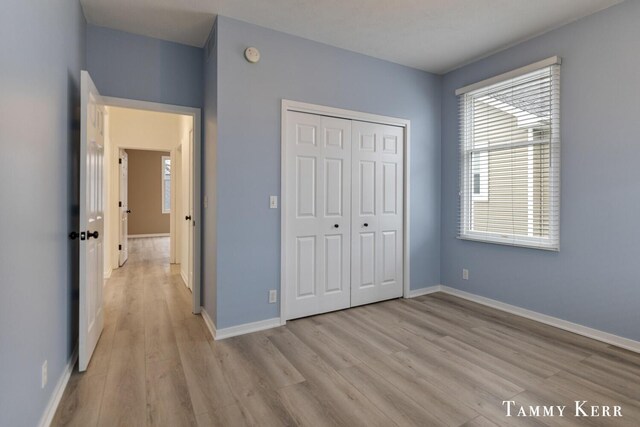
[(435, 360)]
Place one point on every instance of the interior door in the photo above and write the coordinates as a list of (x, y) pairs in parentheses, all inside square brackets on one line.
[(91, 219), (189, 202), (377, 213), (318, 170), (124, 207)]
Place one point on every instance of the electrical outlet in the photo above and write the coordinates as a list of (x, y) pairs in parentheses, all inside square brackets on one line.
[(45, 374), (273, 296), (465, 274), (273, 202)]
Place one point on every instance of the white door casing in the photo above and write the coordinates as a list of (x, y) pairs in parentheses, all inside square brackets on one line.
[(91, 313), (318, 167), (124, 207), (377, 212)]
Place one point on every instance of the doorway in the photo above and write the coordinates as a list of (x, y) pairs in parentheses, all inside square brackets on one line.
[(152, 186), (345, 209)]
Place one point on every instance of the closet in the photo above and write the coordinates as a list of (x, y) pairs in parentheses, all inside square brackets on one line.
[(344, 213)]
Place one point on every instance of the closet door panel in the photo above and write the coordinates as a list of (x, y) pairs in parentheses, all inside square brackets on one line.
[(318, 214), (377, 212)]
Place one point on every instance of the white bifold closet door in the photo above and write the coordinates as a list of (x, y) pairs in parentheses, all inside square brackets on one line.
[(376, 211), (344, 213), (318, 214)]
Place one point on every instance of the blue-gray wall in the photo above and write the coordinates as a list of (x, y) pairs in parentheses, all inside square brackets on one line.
[(248, 152), (130, 66), (41, 54), (593, 280)]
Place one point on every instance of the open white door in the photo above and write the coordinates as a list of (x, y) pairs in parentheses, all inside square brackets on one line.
[(124, 207), (189, 200), (91, 219)]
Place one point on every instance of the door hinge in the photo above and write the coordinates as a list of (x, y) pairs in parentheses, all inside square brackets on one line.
[(119, 161), (119, 247), (119, 204)]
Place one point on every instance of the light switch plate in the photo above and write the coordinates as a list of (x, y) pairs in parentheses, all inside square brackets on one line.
[(273, 202), (273, 296)]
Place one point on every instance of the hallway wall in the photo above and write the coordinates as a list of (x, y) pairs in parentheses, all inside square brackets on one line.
[(42, 52)]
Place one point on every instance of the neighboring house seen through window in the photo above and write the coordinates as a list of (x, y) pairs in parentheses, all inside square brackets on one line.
[(166, 184)]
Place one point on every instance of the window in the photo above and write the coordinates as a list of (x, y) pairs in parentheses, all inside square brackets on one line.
[(510, 158), (166, 184)]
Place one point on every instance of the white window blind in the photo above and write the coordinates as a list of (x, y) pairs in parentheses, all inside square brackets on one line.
[(510, 159)]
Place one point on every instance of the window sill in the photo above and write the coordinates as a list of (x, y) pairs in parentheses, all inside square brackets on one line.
[(509, 242)]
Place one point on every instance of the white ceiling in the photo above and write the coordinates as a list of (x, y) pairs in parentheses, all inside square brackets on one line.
[(433, 35)]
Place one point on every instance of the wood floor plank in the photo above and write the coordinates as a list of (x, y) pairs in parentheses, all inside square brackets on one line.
[(390, 400), (307, 407), (479, 422), (353, 407), (124, 399), (516, 374), (334, 354), (80, 404), (168, 399), (267, 358)]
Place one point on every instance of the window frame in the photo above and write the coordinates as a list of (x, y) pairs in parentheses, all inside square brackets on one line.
[(466, 183), (164, 183)]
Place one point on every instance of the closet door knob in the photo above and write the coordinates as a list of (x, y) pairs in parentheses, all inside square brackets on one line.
[(366, 224), (336, 226), (188, 217)]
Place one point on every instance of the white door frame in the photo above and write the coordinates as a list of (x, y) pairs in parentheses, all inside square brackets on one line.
[(195, 113), (303, 107)]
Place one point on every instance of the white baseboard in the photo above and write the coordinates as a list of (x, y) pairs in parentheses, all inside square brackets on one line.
[(576, 328), (142, 236), (247, 328), (52, 406), (184, 278), (207, 320), (424, 291), (107, 274)]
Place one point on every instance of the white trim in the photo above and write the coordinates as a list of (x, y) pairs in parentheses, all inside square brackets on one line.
[(144, 236), (576, 328), (554, 60), (196, 115), (303, 107), (424, 291), (58, 392), (107, 274), (184, 278), (246, 328), (207, 321)]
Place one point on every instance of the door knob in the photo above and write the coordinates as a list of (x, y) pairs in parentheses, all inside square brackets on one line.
[(73, 235), (128, 210), (188, 217), (95, 235), (366, 224), (336, 226)]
